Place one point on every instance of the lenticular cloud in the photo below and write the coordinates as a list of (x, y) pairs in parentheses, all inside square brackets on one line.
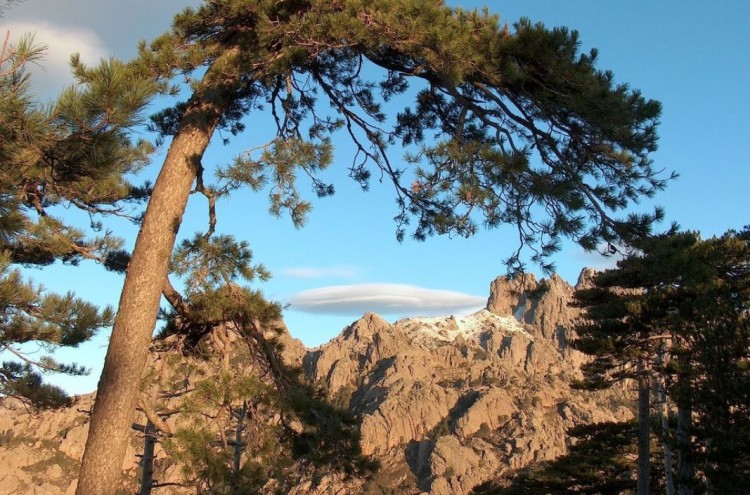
[(383, 298)]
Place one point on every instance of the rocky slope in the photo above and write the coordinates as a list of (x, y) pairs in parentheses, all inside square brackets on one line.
[(41, 452), (447, 403), (443, 403)]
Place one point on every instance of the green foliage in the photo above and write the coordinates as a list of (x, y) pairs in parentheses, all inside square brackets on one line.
[(76, 152), (599, 462), (208, 262), (210, 267), (329, 440), (237, 430), (23, 381), (54, 319), (28, 316), (712, 356), (503, 121), (629, 310), (205, 456), (721, 394), (506, 128), (235, 405)]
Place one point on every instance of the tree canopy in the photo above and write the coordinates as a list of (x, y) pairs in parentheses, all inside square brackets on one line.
[(504, 128), (599, 462)]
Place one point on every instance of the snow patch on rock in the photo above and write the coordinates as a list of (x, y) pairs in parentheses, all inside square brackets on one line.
[(448, 328)]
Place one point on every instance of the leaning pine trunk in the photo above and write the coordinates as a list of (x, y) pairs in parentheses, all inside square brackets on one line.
[(644, 444), (134, 324)]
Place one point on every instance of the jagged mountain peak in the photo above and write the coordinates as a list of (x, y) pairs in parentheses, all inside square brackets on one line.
[(365, 327)]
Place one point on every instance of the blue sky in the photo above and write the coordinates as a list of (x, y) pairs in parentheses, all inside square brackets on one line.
[(689, 55)]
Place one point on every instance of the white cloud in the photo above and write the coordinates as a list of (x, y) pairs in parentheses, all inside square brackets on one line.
[(384, 298), (341, 271), (52, 73)]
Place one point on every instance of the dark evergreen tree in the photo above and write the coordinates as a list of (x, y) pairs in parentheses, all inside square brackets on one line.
[(228, 442), (626, 323), (600, 462), (505, 124), (73, 152), (689, 297), (711, 377), (630, 313)]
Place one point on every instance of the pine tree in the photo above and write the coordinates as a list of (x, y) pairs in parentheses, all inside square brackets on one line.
[(521, 123), (711, 379), (624, 327), (73, 152), (238, 428), (676, 312), (621, 352)]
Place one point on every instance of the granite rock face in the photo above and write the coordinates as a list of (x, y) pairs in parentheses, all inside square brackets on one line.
[(443, 403), (448, 403), (543, 305)]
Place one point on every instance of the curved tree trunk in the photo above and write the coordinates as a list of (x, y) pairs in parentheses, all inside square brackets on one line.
[(118, 390)]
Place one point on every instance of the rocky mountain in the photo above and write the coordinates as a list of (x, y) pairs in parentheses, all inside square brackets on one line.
[(443, 403)]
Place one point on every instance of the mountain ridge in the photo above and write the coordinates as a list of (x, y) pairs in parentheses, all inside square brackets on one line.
[(443, 403)]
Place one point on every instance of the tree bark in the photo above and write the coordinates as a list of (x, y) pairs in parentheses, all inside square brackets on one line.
[(238, 448), (147, 461), (118, 391), (685, 467), (644, 444), (664, 420)]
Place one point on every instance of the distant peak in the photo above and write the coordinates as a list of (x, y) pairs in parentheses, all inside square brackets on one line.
[(365, 327), (585, 278)]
